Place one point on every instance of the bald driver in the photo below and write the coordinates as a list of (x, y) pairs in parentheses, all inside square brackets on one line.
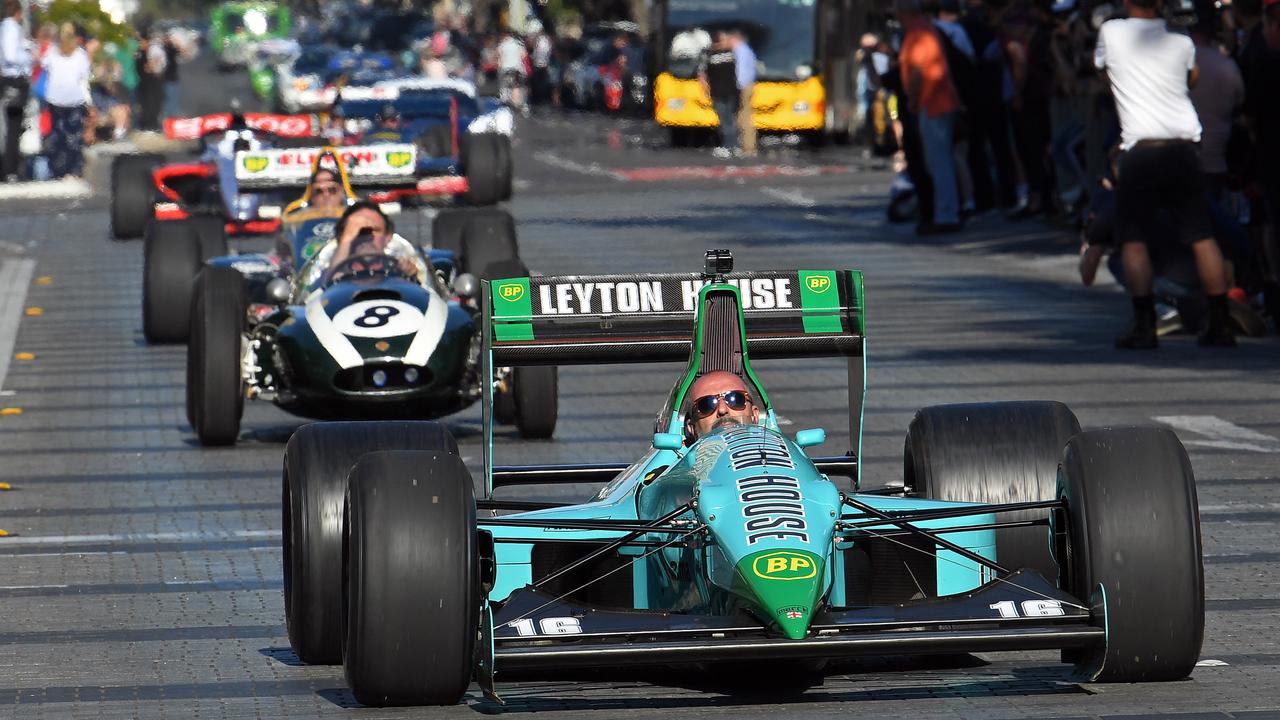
[(719, 397)]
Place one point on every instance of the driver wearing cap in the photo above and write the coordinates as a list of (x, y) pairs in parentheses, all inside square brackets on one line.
[(719, 398)]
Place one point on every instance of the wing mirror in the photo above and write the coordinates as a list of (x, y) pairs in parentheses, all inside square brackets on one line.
[(465, 286), (667, 441), (811, 437), (278, 291)]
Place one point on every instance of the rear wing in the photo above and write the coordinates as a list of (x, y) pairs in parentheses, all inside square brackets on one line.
[(646, 318), (387, 165), (594, 319), (286, 126)]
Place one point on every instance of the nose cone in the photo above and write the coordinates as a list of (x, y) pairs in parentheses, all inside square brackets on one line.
[(786, 585)]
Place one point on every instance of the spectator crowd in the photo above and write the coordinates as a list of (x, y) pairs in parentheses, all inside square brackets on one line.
[(1154, 130)]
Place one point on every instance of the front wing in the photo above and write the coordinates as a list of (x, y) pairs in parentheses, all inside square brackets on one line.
[(1019, 612)]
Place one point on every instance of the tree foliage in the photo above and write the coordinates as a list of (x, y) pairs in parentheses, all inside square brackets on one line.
[(88, 15)]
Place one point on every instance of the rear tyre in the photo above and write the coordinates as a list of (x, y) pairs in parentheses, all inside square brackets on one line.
[(504, 403), (133, 194), (993, 453), (1133, 551), (317, 460), (171, 259), (487, 241), (412, 576), (506, 166), (482, 161), (446, 228), (536, 395), (212, 233), (215, 381)]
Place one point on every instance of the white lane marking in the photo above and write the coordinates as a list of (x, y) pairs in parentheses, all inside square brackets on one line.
[(595, 169), (64, 189), (135, 537), (1220, 433), (792, 196), (12, 247), (1209, 662), (1237, 507), (32, 587), (15, 278)]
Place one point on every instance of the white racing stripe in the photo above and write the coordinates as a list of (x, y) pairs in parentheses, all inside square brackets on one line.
[(428, 337), (28, 540), (333, 341), (15, 278), (1220, 434)]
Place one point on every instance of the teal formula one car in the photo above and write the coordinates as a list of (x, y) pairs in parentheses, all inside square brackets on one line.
[(1013, 530)]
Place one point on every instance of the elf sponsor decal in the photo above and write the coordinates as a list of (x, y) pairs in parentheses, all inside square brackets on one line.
[(394, 160), (772, 506), (647, 296), (784, 565)]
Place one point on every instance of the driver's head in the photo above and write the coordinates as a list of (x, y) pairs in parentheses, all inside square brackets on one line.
[(326, 190), (388, 116), (362, 215), (719, 397)]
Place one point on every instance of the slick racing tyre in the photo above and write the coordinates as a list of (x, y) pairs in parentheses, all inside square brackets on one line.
[(1132, 552), (487, 175), (212, 232), (215, 379), (536, 396), (412, 573), (505, 410), (133, 194), (317, 460), (171, 258), (993, 453), (487, 241), (506, 166), (447, 227)]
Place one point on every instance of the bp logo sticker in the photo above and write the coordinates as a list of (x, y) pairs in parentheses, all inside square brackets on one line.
[(784, 565), (399, 158), (256, 163), (819, 283), (511, 292), (310, 249)]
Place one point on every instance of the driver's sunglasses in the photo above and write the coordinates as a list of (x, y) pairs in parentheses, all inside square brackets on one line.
[(325, 190), (736, 400)]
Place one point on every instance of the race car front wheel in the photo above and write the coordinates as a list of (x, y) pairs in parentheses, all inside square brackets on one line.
[(215, 381), (317, 460), (412, 579), (171, 258), (133, 194), (488, 167), (1130, 548), (993, 453)]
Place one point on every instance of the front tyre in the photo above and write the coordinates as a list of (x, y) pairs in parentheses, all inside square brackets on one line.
[(215, 378), (133, 193), (1133, 552), (487, 176), (317, 460), (171, 258), (412, 579)]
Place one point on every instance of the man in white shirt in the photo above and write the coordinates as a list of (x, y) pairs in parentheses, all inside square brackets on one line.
[(15, 83), (1151, 72)]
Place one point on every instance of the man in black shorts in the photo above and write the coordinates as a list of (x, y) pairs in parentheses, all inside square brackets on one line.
[(1151, 71)]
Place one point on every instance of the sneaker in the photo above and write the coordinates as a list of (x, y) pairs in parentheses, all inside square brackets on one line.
[(1168, 320), (1217, 337), (721, 152), (1138, 337)]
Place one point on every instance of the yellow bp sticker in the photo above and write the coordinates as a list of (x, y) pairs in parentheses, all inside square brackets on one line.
[(256, 163), (511, 292), (399, 158), (784, 565), (819, 283)]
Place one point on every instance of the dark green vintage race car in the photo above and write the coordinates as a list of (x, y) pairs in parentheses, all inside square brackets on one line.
[(380, 336)]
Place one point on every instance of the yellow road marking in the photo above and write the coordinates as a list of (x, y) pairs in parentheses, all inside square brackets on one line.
[(11, 411), (44, 280), (24, 356), (35, 311), (5, 486)]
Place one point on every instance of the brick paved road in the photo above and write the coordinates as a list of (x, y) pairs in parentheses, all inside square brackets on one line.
[(142, 578)]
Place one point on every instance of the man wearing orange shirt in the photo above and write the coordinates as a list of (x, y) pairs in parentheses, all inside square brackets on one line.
[(932, 98)]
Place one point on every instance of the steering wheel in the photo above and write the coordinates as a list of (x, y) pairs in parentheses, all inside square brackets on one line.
[(365, 266)]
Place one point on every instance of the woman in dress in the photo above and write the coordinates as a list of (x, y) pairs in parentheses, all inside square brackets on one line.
[(67, 95)]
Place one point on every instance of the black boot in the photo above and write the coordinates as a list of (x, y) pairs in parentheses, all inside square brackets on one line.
[(1142, 329), (1218, 333)]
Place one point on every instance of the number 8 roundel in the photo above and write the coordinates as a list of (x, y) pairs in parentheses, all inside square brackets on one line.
[(378, 319)]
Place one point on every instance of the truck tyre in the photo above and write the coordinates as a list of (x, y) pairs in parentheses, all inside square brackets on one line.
[(317, 460), (171, 258), (993, 453), (1132, 551), (413, 594), (215, 380)]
